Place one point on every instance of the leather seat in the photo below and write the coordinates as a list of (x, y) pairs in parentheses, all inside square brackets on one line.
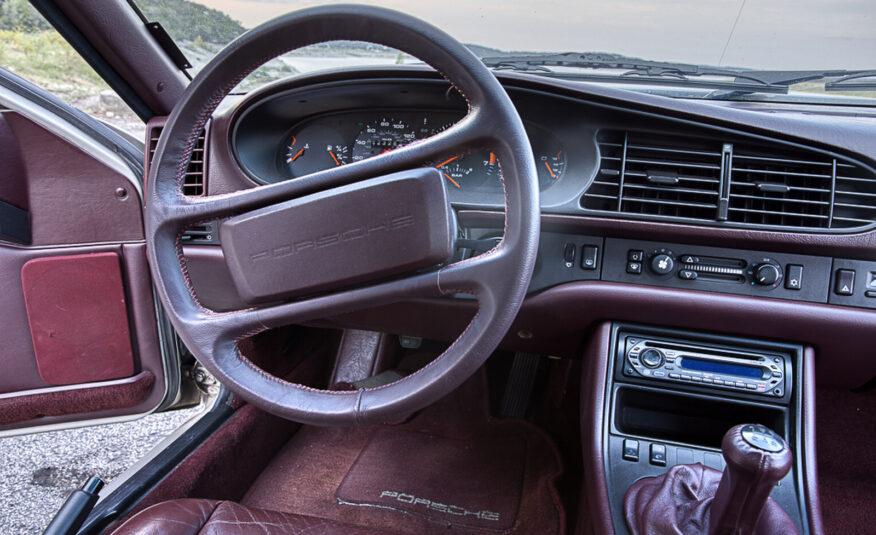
[(191, 516)]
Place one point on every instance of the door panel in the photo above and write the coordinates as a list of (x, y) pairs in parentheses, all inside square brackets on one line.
[(79, 337)]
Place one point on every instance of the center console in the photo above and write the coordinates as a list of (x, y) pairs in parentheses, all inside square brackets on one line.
[(667, 397)]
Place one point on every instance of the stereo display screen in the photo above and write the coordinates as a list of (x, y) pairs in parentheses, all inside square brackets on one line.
[(712, 366)]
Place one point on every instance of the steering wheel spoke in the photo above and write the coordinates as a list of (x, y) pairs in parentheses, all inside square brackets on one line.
[(242, 323)]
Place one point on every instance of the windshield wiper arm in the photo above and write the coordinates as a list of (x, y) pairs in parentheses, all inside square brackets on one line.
[(844, 84)]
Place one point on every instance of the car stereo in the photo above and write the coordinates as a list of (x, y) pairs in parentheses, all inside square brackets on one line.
[(744, 370)]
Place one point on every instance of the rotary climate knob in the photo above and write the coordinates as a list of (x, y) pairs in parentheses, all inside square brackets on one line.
[(662, 264), (767, 274)]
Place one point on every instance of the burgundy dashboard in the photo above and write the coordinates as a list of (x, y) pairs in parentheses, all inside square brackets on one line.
[(746, 219)]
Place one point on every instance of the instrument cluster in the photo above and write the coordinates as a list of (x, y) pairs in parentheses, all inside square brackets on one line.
[(341, 138)]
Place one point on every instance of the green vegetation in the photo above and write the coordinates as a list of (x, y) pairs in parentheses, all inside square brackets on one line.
[(187, 21), (20, 16)]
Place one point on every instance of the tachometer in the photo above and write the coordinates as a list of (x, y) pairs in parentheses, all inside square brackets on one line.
[(382, 136)]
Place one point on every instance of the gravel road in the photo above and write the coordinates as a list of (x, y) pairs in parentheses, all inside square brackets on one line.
[(38, 471)]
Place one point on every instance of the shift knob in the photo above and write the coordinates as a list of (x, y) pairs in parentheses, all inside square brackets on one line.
[(757, 458)]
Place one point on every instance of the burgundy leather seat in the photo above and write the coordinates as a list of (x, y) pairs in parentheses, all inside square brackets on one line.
[(190, 517)]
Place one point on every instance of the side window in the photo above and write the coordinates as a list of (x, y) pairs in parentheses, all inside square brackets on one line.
[(32, 49)]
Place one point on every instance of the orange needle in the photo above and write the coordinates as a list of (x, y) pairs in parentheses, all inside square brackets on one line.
[(296, 156), (332, 154), (387, 150), (551, 171), (455, 183), (492, 158), (442, 164)]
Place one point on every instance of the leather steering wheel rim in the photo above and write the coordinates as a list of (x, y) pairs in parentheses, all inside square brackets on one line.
[(498, 278)]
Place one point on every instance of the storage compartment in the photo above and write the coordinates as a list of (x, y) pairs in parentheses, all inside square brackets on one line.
[(688, 419)]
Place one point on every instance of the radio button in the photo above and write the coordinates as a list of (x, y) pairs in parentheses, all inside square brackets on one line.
[(659, 374), (685, 377), (740, 384), (750, 386), (697, 379), (717, 381), (707, 380), (777, 375), (674, 376)]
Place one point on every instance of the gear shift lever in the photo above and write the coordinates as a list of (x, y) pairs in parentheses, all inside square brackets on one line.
[(757, 458), (693, 499)]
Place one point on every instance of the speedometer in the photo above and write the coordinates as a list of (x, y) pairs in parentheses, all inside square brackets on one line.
[(382, 136)]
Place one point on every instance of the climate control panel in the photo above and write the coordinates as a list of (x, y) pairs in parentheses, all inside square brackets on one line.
[(797, 277)]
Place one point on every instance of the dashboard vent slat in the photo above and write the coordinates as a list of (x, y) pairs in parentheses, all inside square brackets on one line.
[(194, 180), (748, 184)]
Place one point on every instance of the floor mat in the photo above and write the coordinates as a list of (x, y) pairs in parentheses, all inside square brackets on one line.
[(451, 469), (846, 433), (470, 483)]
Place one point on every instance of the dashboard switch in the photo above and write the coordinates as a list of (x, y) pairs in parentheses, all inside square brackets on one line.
[(569, 254), (794, 280), (845, 282), (658, 454), (634, 267), (588, 256), (635, 256), (631, 450)]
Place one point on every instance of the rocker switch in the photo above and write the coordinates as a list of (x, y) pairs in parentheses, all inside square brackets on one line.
[(569, 254)]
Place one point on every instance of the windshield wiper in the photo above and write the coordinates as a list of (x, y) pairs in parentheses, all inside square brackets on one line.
[(844, 83), (636, 70)]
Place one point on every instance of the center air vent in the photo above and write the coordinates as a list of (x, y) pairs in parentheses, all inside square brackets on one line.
[(735, 184)]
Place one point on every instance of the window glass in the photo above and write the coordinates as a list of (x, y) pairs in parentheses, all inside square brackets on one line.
[(32, 49)]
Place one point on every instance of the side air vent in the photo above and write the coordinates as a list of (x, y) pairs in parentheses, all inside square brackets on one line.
[(656, 175), (193, 183), (741, 184)]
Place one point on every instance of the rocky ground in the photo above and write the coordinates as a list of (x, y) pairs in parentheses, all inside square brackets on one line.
[(38, 471)]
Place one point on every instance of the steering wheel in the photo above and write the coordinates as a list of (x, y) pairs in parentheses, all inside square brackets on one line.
[(336, 201)]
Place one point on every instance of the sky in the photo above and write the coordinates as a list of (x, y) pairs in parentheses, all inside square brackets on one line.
[(770, 34)]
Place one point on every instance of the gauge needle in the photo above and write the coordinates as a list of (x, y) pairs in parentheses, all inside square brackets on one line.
[(335, 158), (296, 156), (455, 183), (551, 171), (442, 164)]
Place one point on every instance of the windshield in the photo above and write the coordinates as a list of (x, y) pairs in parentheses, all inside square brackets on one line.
[(829, 42)]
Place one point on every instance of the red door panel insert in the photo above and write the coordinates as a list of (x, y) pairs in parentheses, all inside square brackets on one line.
[(78, 318)]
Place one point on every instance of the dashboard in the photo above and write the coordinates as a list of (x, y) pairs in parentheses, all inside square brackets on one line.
[(751, 219)]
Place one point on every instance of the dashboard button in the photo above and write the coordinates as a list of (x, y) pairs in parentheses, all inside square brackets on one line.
[(634, 267), (687, 274), (635, 256), (794, 277), (569, 254), (674, 376), (658, 454), (631, 450), (588, 256), (845, 282)]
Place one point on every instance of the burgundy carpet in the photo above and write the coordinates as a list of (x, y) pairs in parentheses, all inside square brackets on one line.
[(846, 435), (450, 469)]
